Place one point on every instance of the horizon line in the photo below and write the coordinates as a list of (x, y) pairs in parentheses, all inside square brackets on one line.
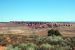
[(37, 21)]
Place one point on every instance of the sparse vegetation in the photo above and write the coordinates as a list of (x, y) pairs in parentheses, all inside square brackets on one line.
[(51, 42)]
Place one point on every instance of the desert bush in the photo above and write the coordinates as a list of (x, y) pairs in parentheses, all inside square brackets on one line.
[(9, 47), (45, 46), (40, 40), (68, 48), (31, 46), (22, 46), (53, 32), (28, 46), (16, 48), (54, 40), (58, 47), (70, 41)]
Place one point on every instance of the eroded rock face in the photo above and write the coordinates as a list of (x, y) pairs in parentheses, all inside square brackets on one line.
[(34, 24)]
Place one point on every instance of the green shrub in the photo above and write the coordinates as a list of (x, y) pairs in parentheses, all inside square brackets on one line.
[(54, 40), (31, 46), (58, 47), (9, 47), (53, 32), (40, 40), (16, 48), (22, 46), (45, 46)]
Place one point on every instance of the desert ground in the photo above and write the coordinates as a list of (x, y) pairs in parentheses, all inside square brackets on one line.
[(23, 30), (66, 31)]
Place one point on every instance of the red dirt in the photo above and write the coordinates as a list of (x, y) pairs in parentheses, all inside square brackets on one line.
[(2, 48)]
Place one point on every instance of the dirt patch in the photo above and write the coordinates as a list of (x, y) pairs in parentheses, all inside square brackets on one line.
[(2, 47)]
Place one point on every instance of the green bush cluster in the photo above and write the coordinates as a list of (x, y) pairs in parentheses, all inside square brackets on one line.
[(47, 43), (23, 46), (32, 46), (54, 41), (53, 32)]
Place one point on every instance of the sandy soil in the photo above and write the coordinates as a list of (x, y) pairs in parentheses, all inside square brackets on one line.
[(2, 48)]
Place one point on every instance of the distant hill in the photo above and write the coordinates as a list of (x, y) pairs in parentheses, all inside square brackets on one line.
[(38, 28)]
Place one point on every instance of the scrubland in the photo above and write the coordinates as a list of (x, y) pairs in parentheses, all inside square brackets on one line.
[(23, 38)]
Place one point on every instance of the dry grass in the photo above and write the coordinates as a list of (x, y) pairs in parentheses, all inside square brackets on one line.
[(23, 30)]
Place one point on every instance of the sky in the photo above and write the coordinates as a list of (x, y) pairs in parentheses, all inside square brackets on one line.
[(37, 10)]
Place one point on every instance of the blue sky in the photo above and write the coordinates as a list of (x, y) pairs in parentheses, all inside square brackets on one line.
[(37, 10)]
